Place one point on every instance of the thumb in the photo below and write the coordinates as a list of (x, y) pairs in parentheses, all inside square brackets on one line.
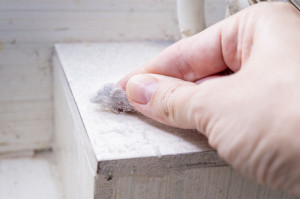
[(168, 100)]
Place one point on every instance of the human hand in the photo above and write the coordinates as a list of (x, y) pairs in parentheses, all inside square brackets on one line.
[(252, 117)]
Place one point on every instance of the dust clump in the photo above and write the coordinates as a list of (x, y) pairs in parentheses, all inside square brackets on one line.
[(113, 98)]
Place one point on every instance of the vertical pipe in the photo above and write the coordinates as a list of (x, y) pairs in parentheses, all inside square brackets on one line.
[(233, 6), (190, 17)]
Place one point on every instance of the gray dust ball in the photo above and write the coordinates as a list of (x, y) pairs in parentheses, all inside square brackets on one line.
[(113, 98)]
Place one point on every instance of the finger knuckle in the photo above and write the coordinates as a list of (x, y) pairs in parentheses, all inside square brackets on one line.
[(169, 103)]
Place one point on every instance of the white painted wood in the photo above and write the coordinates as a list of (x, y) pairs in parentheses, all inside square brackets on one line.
[(17, 86), (33, 110), (31, 5), (211, 183), (28, 31), (105, 155), (33, 178), (21, 57), (90, 66), (62, 21), (76, 161), (25, 98), (63, 26), (17, 136)]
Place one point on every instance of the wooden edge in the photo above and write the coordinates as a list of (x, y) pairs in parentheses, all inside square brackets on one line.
[(85, 140), (160, 165)]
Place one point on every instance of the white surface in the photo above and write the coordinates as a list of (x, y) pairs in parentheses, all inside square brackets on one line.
[(28, 31), (204, 183), (50, 21), (28, 178), (25, 97), (87, 68), (190, 17), (115, 137), (75, 159), (194, 16)]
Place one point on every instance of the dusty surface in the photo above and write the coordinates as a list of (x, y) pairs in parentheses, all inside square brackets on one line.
[(118, 136)]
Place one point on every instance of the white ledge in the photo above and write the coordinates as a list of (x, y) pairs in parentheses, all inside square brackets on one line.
[(106, 155), (87, 68)]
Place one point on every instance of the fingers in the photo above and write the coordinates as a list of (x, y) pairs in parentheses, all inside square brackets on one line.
[(225, 45), (162, 98), (189, 59), (192, 58), (207, 53), (169, 100)]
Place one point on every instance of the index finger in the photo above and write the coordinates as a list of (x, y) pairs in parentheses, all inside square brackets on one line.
[(196, 57)]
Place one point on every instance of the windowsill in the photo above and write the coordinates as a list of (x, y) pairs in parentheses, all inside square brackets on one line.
[(87, 68)]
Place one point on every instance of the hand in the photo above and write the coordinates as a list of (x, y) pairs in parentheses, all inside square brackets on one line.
[(251, 117)]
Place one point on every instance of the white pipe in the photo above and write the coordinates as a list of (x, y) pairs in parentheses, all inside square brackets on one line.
[(233, 6), (190, 17)]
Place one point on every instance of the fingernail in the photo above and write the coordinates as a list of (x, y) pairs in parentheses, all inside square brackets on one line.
[(140, 88)]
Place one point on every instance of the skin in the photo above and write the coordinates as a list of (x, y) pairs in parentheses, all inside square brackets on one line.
[(251, 117)]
